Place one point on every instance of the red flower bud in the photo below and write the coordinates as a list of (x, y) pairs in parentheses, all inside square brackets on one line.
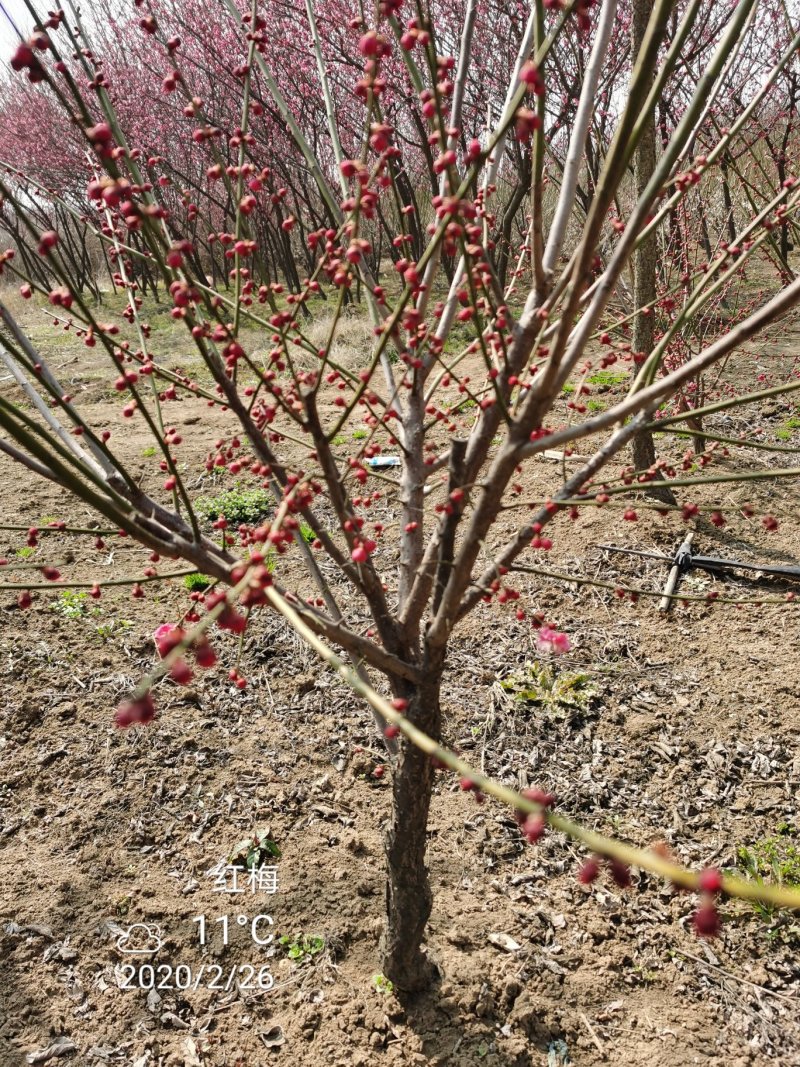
[(533, 827), (48, 240), (710, 880), (181, 672), (706, 921), (530, 76), (204, 654), (231, 620), (588, 872), (139, 710), (620, 873)]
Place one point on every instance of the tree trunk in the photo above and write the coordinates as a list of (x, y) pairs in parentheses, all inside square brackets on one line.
[(408, 891), (727, 199), (645, 261), (503, 236)]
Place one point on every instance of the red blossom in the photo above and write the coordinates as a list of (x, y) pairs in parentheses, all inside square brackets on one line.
[(137, 711), (706, 921)]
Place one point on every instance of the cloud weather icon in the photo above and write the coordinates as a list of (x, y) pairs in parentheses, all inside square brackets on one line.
[(140, 939)]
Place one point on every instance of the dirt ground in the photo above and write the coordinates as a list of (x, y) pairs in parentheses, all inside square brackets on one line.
[(691, 737)]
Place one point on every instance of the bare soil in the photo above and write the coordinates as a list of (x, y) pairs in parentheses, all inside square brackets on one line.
[(692, 739)]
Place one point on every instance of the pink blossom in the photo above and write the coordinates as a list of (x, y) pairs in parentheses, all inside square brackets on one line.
[(549, 640), (166, 637)]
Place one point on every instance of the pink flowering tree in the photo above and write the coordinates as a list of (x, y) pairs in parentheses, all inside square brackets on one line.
[(486, 226)]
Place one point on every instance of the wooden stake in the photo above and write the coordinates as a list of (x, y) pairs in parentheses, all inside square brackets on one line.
[(674, 575)]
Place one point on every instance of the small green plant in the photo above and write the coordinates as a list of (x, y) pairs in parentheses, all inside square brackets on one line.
[(71, 603), (607, 377), (774, 860), (47, 519), (339, 439), (644, 974), (300, 948), (149, 451), (382, 984), (112, 628), (595, 405), (197, 583), (568, 389), (307, 533), (25, 553), (557, 694), (788, 428), (239, 506), (359, 435), (122, 905), (254, 852), (459, 338)]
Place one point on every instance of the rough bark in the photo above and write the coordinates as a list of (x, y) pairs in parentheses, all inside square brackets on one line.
[(408, 891), (645, 261)]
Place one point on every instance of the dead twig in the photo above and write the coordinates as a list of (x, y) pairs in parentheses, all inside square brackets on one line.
[(737, 978), (593, 1034)]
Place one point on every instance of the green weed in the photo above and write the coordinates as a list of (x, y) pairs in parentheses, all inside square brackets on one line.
[(300, 948), (607, 377), (253, 852), (382, 984), (774, 860), (537, 685), (239, 506), (112, 628), (197, 583), (786, 431), (72, 604)]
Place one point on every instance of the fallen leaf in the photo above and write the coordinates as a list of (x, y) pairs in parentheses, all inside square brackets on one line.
[(61, 1047), (505, 942), (190, 1051), (273, 1038)]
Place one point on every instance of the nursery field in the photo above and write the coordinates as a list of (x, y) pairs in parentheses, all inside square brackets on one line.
[(680, 729)]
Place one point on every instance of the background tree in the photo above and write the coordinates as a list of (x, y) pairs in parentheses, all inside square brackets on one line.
[(644, 262)]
